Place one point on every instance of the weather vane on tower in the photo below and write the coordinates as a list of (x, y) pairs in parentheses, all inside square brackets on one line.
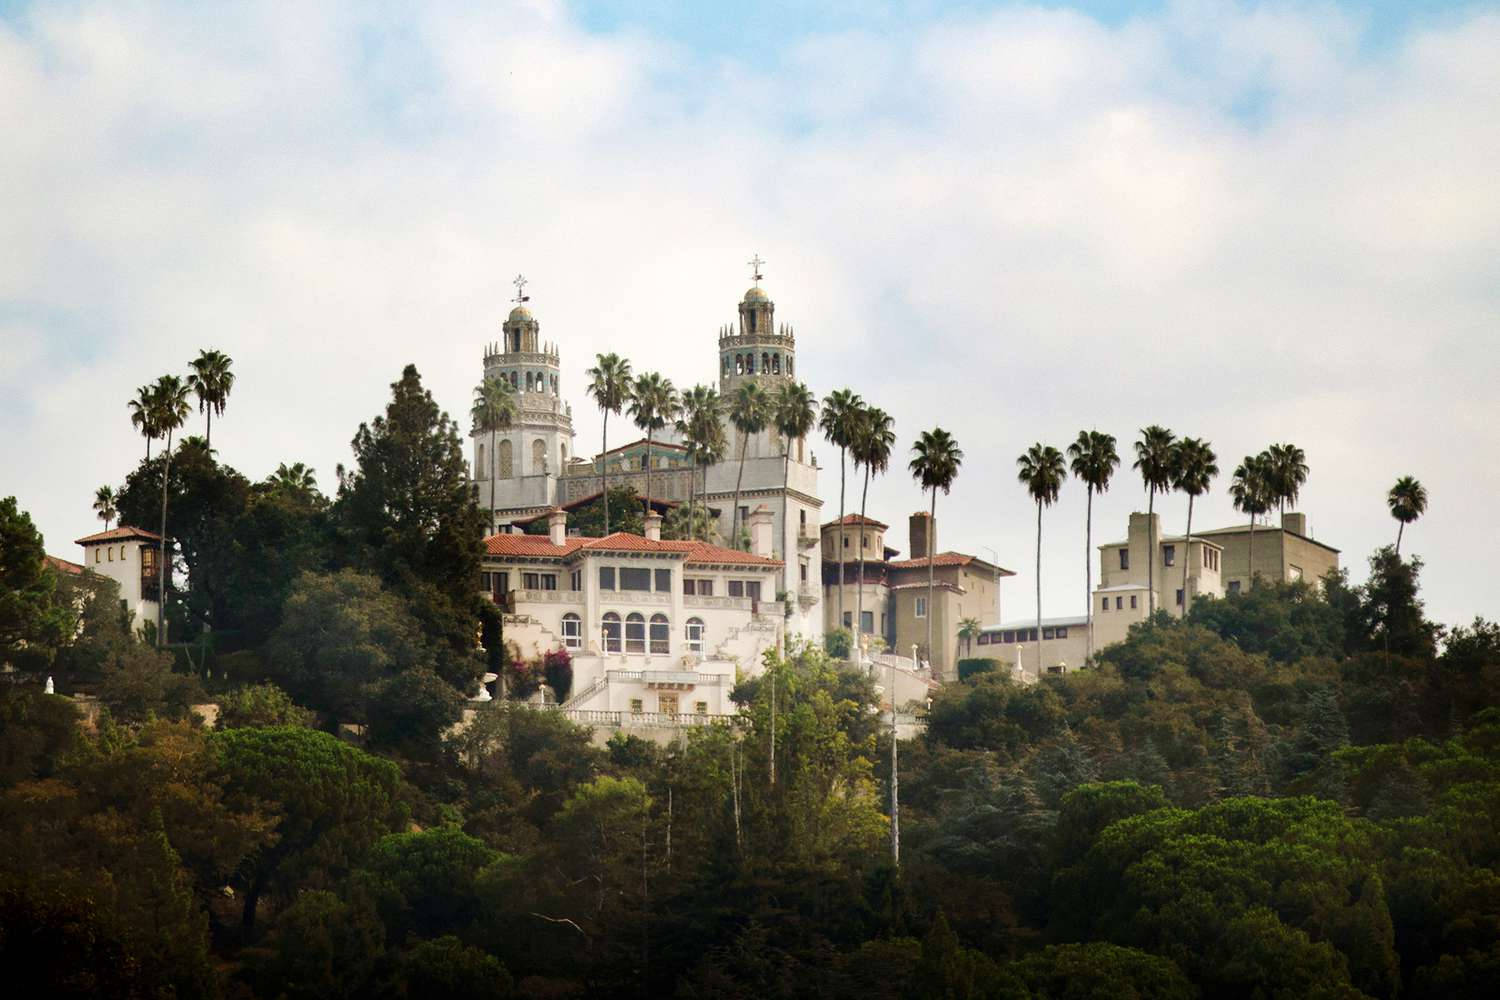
[(520, 283), (755, 263)]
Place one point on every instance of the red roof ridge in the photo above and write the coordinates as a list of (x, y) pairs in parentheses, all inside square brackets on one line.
[(122, 533)]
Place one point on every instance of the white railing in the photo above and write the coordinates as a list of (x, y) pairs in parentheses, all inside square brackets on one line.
[(727, 603), (519, 597), (668, 677), (627, 720), (621, 600)]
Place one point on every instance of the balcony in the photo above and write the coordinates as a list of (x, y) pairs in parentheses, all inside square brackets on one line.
[(721, 603), (808, 594), (519, 597), (807, 541)]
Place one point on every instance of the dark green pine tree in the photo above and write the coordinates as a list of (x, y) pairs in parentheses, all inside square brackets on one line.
[(407, 514)]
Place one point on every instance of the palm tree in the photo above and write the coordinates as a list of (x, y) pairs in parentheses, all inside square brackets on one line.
[(1042, 472), (703, 435), (493, 410), (1251, 493), (169, 411), (936, 458), (749, 412), (1287, 472), (141, 417), (211, 381), (794, 415), (297, 477), (104, 505), (968, 628), (654, 404), (871, 449), (1094, 462), (841, 414), (609, 384), (1197, 465), (1408, 501), (1154, 454)]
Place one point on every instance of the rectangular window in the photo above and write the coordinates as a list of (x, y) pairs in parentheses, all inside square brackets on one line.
[(1132, 602), (572, 631), (752, 589), (1009, 635), (635, 578), (538, 581), (1124, 558), (744, 516), (695, 635), (689, 587), (848, 619), (921, 611), (802, 566), (1047, 633), (867, 622), (637, 706), (1103, 604), (1120, 603), (606, 578), (1062, 633), (1179, 597), (1234, 586), (984, 638), (705, 588), (663, 581), (575, 580), (736, 588), (1168, 555), (701, 707), (864, 541), (1032, 633), (846, 541)]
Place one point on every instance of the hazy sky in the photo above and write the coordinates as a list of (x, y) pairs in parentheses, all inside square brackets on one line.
[(1248, 222)]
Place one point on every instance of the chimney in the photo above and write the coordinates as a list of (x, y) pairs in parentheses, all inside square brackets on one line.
[(653, 526), (918, 528), (1296, 523), (557, 526), (760, 532)]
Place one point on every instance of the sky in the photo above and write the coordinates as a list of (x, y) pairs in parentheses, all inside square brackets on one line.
[(1248, 222)]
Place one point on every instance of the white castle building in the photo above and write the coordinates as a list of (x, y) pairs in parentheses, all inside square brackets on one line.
[(531, 468)]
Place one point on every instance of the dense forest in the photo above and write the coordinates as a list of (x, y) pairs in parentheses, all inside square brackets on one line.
[(1294, 792)]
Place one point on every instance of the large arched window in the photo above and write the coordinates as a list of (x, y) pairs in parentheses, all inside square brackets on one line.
[(610, 628), (775, 364), (572, 630), (635, 633), (789, 365), (661, 635), (503, 456), (695, 635), (739, 364), (538, 457), (481, 471), (750, 363), (765, 363), (728, 365)]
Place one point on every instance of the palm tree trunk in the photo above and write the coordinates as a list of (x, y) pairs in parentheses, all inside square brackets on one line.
[(842, 577), (1088, 570), (931, 521), (1281, 534), (494, 465), (1401, 526), (692, 493), (1150, 553), (786, 510), (773, 728), (1250, 557), (895, 782), (1187, 550), (734, 515), (648, 472), (208, 434), (859, 586), (604, 471), (1039, 589), (161, 560), (148, 448)]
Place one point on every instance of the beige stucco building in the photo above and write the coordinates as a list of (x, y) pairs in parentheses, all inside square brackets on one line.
[(1285, 553), (127, 555)]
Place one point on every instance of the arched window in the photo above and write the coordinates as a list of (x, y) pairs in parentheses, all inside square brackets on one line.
[(789, 365), (562, 456), (507, 464), (775, 364), (572, 630), (538, 456), (739, 364), (515, 381), (695, 635), (635, 632), (752, 321), (750, 364), (765, 363), (661, 632), (481, 471), (728, 365), (610, 628)]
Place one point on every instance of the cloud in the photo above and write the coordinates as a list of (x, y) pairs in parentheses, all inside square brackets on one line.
[(1234, 220)]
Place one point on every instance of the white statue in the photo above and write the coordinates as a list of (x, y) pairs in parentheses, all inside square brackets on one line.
[(49, 685)]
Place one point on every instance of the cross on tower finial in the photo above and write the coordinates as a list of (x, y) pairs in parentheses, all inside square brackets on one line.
[(520, 282), (755, 263)]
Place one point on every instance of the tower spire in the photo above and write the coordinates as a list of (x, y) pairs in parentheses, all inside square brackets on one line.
[(520, 282), (755, 262)]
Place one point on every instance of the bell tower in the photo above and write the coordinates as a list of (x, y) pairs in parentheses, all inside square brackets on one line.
[(756, 348)]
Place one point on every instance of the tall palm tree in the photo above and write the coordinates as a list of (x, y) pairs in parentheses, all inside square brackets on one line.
[(296, 477), (609, 383), (871, 450), (1250, 492), (935, 461), (1408, 501), (795, 414), (1041, 471), (169, 411), (968, 628), (749, 412), (141, 417), (841, 414), (654, 403), (1153, 459), (104, 505), (1287, 470), (494, 410), (211, 381), (703, 434), (1094, 461), (1197, 465)]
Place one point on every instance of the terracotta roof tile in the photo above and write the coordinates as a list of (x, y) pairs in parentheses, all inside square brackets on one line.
[(64, 566), (619, 541), (529, 545), (942, 559), (124, 533), (851, 520)]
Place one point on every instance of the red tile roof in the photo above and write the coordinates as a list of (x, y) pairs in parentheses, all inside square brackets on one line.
[(942, 559), (851, 520), (540, 546), (63, 566), (124, 533)]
